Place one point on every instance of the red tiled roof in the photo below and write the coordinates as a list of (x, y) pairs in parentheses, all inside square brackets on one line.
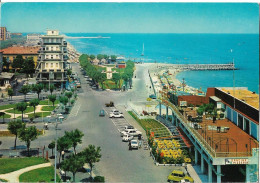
[(20, 50)]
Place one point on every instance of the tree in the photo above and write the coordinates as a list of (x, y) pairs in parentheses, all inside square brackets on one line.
[(113, 58), (68, 94), (52, 98), (64, 100), (5, 64), (91, 155), (69, 72), (101, 78), (22, 106), (3, 115), (105, 57), (10, 92), (15, 127), (34, 103), (100, 57), (52, 88), (28, 67), (75, 137), (51, 146), (63, 143), (92, 57), (24, 90), (116, 78), (73, 164), (28, 135), (38, 89), (125, 78), (18, 62)]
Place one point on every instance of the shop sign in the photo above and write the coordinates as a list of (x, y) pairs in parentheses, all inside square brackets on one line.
[(230, 161)]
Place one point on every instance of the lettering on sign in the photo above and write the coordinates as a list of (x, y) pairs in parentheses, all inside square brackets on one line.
[(236, 161)]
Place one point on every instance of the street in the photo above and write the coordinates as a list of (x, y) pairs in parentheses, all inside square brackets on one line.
[(117, 164)]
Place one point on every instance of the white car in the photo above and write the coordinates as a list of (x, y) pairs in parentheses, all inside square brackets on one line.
[(132, 132), (127, 138), (115, 111), (134, 144), (116, 115)]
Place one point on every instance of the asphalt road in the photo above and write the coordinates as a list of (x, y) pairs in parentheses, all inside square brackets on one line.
[(117, 164)]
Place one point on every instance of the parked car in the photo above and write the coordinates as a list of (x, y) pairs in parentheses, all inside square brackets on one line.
[(132, 132), (134, 144), (129, 127), (115, 110), (127, 138), (101, 113), (78, 85), (178, 176), (116, 115), (152, 96)]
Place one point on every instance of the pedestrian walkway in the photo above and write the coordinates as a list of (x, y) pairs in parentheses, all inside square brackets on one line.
[(120, 123), (14, 176), (75, 110)]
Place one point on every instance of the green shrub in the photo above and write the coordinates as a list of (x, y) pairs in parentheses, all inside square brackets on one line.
[(99, 179)]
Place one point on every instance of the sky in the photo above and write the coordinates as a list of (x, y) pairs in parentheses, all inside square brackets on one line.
[(131, 17)]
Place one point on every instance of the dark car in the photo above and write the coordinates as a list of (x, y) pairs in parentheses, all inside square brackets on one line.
[(152, 96)]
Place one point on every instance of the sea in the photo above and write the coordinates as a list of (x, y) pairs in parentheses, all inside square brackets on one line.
[(242, 49)]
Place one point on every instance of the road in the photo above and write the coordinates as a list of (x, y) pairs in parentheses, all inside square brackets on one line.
[(117, 164)]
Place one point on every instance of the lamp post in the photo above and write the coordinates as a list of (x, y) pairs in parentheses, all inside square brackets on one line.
[(51, 76), (56, 125)]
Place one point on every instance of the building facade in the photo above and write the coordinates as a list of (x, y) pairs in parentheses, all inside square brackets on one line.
[(1, 61), (33, 39), (3, 32), (11, 53), (52, 59)]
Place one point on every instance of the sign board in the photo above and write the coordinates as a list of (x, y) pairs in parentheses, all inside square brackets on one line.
[(230, 161), (183, 103)]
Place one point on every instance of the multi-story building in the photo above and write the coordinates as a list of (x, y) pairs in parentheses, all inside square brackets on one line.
[(223, 146), (52, 59), (10, 53), (3, 33), (33, 39)]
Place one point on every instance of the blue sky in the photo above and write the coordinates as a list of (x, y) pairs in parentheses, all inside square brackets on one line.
[(132, 17)]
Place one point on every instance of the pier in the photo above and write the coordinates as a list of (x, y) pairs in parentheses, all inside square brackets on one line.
[(229, 66)]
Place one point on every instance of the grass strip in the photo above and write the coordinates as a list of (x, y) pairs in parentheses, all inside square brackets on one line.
[(45, 174), (10, 165)]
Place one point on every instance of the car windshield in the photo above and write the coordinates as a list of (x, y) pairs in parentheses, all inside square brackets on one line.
[(116, 113), (134, 142)]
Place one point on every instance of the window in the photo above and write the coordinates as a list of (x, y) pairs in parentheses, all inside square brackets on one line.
[(240, 121), (56, 65), (47, 65), (51, 56), (246, 126), (57, 56), (51, 65)]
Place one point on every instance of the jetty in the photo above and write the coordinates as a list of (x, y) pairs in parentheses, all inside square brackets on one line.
[(228, 66)]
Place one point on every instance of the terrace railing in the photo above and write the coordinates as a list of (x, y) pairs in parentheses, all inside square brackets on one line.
[(202, 141)]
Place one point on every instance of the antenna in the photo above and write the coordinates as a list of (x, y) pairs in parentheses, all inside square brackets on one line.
[(183, 84), (233, 81)]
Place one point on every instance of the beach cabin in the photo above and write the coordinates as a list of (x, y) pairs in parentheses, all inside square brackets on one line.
[(121, 65)]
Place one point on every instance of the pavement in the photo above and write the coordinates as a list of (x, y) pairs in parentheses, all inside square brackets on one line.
[(14, 176), (117, 163)]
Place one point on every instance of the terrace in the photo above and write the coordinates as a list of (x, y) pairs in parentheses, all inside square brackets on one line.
[(220, 138)]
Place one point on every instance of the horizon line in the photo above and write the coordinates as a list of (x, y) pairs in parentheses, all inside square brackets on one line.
[(140, 33)]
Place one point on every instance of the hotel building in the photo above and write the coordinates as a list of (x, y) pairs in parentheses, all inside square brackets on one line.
[(52, 59)]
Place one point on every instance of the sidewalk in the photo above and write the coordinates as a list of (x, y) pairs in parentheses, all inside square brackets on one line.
[(14, 176)]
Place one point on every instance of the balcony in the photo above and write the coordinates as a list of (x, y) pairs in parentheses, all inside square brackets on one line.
[(52, 51), (65, 43), (52, 43)]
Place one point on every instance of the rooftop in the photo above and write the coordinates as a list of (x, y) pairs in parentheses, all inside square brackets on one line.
[(20, 50), (223, 136), (249, 97)]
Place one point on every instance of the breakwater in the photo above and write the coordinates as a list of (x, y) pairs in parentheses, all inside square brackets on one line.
[(229, 66)]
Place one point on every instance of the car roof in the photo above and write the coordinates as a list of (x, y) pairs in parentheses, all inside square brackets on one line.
[(178, 172)]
